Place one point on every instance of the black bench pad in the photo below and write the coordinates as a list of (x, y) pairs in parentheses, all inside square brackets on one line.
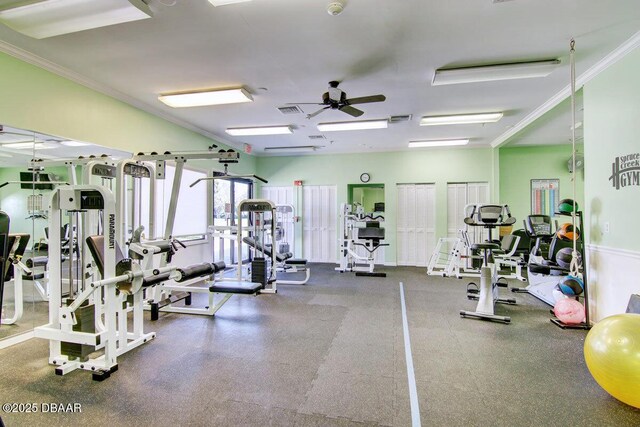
[(248, 288), (296, 261)]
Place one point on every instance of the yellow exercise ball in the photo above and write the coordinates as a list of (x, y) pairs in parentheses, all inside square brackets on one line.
[(612, 353)]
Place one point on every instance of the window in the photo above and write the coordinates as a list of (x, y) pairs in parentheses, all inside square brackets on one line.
[(227, 193), (191, 210)]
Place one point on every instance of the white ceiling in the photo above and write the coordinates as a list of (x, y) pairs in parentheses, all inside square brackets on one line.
[(286, 51)]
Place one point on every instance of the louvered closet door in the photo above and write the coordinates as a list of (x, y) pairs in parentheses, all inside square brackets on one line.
[(478, 193), (460, 195), (415, 224), (282, 196), (320, 240)]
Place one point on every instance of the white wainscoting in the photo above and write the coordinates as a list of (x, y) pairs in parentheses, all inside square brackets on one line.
[(613, 275)]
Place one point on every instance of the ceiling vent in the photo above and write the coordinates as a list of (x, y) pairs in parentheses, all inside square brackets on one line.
[(398, 119), (317, 137), (290, 109)]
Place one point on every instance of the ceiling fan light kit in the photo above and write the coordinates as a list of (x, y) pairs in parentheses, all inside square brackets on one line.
[(355, 125), (457, 119), (41, 19), (259, 130), (438, 143), (206, 97), (336, 99), (486, 73)]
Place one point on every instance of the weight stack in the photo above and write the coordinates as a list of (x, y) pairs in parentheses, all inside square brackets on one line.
[(283, 248), (85, 316), (259, 269)]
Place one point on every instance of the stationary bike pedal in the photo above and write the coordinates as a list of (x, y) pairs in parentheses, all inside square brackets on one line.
[(472, 288), (502, 282)]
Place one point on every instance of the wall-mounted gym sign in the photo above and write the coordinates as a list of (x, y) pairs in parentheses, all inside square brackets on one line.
[(625, 171)]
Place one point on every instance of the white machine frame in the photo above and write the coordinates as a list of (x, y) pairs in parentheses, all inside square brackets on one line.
[(111, 308), (349, 258)]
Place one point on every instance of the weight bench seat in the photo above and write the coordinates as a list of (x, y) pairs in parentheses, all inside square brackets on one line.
[(247, 288)]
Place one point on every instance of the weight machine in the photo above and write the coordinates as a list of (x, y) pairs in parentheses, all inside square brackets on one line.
[(95, 315), (354, 235)]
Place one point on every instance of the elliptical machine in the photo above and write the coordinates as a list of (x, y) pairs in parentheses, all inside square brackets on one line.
[(489, 217)]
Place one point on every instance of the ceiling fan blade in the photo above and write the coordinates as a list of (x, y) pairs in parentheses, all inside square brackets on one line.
[(312, 115), (352, 111), (365, 99)]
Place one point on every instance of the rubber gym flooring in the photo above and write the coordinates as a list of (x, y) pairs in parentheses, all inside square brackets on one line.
[(331, 353)]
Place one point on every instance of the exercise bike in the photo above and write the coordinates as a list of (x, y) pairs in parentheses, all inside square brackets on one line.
[(487, 295)]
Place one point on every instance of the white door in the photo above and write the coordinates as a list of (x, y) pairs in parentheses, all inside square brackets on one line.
[(458, 196), (416, 220), (283, 196), (319, 220)]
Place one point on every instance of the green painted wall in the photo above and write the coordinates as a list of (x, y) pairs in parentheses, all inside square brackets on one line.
[(519, 165), (389, 168), (612, 129), (38, 100)]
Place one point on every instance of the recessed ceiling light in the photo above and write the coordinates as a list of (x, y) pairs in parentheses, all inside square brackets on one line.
[(41, 19), (259, 130), (438, 143), (460, 119), (206, 97), (217, 3), (356, 125), (295, 148), (71, 143), (485, 73)]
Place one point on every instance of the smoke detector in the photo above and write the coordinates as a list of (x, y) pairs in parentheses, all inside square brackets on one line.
[(335, 7)]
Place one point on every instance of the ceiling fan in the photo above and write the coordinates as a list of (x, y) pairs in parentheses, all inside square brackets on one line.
[(336, 99)]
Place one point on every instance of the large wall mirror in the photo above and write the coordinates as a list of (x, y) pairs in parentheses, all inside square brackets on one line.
[(369, 196), (24, 199)]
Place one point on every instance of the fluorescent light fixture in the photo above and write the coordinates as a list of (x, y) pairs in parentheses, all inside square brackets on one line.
[(486, 73), (29, 146), (259, 130), (41, 19), (357, 125), (293, 149), (71, 143), (438, 143), (207, 97), (459, 119), (217, 3)]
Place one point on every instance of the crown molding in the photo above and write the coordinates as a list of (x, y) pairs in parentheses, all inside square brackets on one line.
[(617, 54), (54, 68)]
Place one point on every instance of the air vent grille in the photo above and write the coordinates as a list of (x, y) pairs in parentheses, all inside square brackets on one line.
[(398, 119), (290, 109), (317, 137)]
